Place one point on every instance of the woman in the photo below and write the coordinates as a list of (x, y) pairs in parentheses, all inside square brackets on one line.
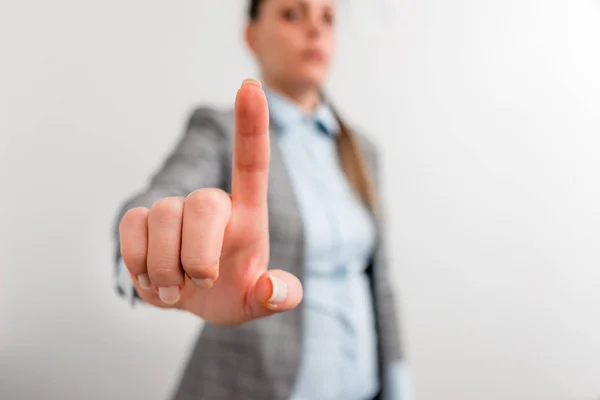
[(230, 223)]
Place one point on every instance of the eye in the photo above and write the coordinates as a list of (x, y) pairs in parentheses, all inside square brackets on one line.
[(329, 17), (291, 14)]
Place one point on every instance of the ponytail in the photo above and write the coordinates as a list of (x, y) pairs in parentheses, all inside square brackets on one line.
[(354, 166)]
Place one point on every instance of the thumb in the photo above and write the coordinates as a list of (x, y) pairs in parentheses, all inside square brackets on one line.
[(274, 292)]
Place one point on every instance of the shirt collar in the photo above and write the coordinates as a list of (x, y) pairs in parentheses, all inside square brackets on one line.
[(284, 113)]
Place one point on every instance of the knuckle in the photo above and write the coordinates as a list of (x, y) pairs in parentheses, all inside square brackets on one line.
[(252, 166), (133, 216), (133, 256), (168, 207), (163, 256), (195, 267), (165, 275), (208, 201)]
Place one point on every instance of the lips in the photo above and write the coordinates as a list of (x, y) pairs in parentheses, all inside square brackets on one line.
[(313, 55)]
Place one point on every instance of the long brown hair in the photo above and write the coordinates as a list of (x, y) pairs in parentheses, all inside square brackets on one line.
[(354, 165), (350, 152)]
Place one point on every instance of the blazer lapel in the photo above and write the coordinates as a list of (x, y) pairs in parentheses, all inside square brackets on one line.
[(285, 222)]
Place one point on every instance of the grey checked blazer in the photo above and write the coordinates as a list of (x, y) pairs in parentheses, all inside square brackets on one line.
[(258, 360)]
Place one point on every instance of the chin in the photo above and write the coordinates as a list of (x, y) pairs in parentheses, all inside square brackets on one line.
[(313, 76)]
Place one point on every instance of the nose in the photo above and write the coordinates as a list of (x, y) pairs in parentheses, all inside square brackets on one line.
[(315, 26)]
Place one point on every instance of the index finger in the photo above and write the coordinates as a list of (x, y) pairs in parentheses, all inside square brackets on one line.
[(251, 149)]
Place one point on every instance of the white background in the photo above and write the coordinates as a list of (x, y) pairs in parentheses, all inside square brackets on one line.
[(488, 116)]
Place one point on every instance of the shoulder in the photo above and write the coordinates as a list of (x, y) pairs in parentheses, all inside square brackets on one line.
[(204, 117)]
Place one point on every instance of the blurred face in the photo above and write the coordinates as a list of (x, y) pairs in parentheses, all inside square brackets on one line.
[(293, 40)]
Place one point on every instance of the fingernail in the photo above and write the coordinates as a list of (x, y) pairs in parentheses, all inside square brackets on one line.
[(204, 283), (252, 81), (280, 291), (169, 295), (144, 281)]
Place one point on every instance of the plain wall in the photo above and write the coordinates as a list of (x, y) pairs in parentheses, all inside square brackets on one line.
[(488, 117)]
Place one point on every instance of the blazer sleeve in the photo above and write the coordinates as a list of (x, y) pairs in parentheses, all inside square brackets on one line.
[(199, 159)]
